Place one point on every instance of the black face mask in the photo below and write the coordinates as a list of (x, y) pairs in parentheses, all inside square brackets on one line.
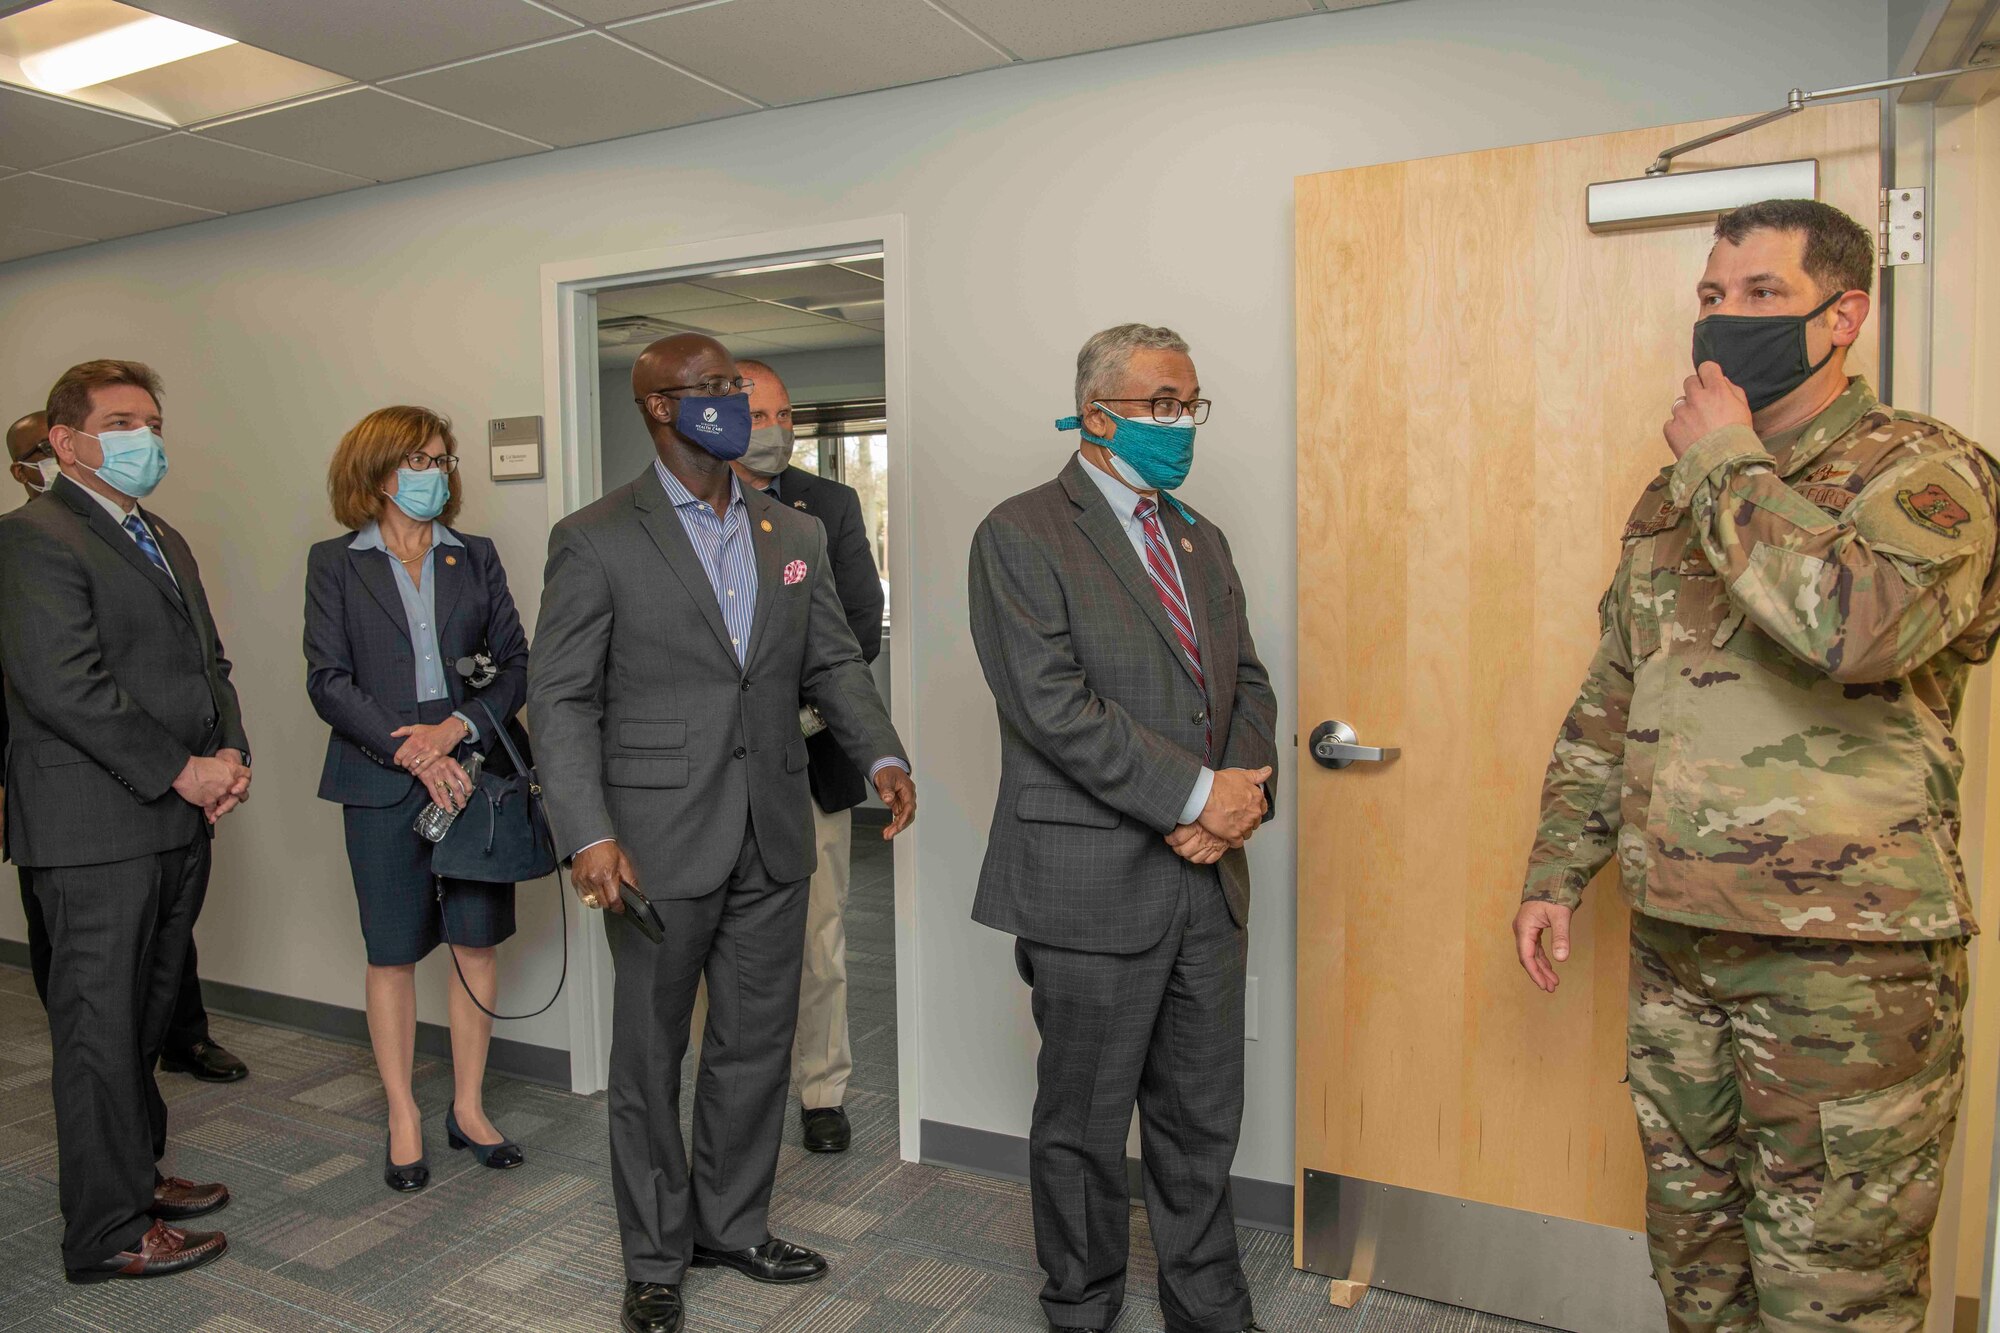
[(1763, 355)]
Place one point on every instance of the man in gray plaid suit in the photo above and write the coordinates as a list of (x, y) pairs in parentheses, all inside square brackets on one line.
[(1137, 748)]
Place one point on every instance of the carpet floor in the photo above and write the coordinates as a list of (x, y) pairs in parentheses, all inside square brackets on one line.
[(317, 1243)]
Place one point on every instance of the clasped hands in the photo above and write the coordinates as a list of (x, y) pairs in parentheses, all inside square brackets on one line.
[(218, 783), (426, 753), (1236, 806)]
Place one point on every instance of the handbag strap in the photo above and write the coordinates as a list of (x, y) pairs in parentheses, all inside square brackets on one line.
[(513, 752)]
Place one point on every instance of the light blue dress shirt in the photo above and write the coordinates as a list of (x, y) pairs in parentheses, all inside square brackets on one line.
[(730, 561), (1124, 502), (420, 610)]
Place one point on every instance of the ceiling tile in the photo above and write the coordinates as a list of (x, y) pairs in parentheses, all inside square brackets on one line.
[(796, 286), (19, 242), (85, 210), (872, 267), (188, 169), (611, 11), (369, 133), (1038, 29), (828, 49), (35, 131), (664, 298), (371, 39), (825, 337), (750, 318), (571, 92)]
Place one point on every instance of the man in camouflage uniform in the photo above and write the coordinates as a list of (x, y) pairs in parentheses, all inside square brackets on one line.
[(1765, 741)]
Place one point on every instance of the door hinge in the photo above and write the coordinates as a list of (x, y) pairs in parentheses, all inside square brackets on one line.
[(1902, 226)]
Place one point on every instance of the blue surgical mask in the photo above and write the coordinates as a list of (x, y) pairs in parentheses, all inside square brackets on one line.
[(421, 495), (719, 425), (134, 460)]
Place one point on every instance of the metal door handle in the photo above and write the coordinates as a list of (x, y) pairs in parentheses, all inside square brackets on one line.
[(1333, 744)]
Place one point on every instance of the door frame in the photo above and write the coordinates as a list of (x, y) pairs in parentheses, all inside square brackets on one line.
[(569, 392)]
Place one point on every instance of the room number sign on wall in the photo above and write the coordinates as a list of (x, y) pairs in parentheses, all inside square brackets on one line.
[(514, 447)]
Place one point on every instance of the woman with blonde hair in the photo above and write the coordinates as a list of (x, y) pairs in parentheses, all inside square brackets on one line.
[(390, 609)]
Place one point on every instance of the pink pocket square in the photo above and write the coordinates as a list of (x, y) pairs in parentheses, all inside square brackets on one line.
[(795, 573)]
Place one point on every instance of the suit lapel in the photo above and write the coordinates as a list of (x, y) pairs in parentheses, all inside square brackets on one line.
[(770, 566), (1107, 534), (184, 575), (373, 569), (663, 525), (448, 575), (1190, 558), (121, 541)]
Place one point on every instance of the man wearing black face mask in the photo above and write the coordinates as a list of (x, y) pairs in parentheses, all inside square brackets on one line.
[(1766, 741), (685, 621)]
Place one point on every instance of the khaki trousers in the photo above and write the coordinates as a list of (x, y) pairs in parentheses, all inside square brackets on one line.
[(822, 1056)]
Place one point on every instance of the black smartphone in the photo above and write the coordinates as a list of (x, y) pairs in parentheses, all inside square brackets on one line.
[(639, 910)]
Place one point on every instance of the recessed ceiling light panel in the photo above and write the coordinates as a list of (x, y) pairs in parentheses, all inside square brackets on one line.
[(115, 52)]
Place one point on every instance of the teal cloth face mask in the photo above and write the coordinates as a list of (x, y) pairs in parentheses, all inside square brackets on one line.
[(421, 495), (134, 461), (1156, 456)]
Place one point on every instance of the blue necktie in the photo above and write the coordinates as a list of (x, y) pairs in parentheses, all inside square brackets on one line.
[(144, 538)]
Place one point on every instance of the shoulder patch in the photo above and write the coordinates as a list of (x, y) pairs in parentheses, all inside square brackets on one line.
[(1934, 509)]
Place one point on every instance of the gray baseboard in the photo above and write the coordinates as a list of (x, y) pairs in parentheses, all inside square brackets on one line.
[(520, 1059), (1263, 1204)]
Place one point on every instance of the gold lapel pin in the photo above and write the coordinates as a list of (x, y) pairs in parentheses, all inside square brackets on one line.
[(1187, 546), (451, 560), (766, 525)]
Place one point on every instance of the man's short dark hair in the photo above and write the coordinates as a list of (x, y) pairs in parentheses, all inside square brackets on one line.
[(69, 400), (1840, 252)]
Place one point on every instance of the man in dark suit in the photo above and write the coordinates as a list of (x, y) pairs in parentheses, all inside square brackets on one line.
[(127, 745), (1136, 732), (822, 1054), (189, 1048), (685, 622)]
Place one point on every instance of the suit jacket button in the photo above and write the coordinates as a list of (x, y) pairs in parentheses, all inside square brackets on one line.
[(1201, 717), (746, 687), (740, 752)]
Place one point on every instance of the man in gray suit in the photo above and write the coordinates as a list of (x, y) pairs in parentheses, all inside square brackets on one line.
[(126, 745), (1136, 735), (685, 621)]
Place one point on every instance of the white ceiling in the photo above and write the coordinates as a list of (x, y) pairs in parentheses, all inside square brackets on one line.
[(441, 84), (772, 313)]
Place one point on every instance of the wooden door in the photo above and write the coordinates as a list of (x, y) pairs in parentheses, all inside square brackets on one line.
[(1482, 383)]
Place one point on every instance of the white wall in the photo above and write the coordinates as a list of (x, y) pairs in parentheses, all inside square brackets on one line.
[(836, 375), (1036, 214)]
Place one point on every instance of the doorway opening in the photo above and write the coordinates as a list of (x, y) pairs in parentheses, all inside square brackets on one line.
[(820, 312)]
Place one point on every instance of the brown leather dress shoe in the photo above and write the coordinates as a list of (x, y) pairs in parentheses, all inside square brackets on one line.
[(162, 1252), (177, 1200)]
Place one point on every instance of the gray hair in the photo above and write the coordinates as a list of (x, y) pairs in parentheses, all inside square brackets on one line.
[(1105, 356)]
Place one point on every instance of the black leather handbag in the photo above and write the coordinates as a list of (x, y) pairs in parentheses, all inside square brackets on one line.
[(501, 837)]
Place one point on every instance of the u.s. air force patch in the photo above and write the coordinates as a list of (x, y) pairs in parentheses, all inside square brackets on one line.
[(1832, 487), (1933, 508)]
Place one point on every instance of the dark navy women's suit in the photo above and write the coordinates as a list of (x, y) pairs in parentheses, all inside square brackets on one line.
[(362, 668)]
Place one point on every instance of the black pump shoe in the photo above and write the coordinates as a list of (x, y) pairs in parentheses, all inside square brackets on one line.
[(775, 1260), (502, 1156), (405, 1179), (650, 1307)]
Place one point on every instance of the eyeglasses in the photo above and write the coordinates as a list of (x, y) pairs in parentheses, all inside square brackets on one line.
[(1168, 410), (713, 387), (423, 462)]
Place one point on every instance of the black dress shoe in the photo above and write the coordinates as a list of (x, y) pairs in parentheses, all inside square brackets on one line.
[(826, 1128), (206, 1061), (650, 1307), (408, 1178), (502, 1156), (773, 1261)]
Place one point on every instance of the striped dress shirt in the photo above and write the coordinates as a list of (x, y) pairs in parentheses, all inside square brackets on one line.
[(723, 546)]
